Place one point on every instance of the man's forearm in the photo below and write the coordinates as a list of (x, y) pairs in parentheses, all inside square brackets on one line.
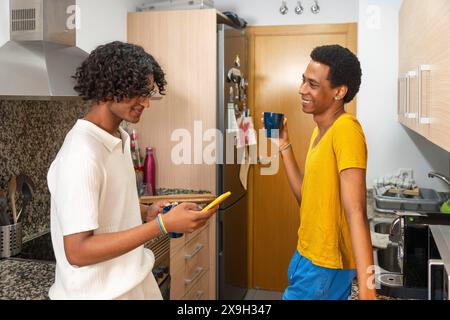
[(98, 248), (353, 193), (362, 250), (293, 173)]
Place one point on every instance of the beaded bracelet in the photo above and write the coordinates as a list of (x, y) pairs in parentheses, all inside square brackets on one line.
[(161, 224), (286, 148)]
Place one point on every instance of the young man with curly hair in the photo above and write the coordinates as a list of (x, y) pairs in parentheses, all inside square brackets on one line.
[(334, 237), (97, 225)]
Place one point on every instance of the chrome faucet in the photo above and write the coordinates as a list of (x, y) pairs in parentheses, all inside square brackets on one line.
[(395, 230), (440, 176), (396, 234)]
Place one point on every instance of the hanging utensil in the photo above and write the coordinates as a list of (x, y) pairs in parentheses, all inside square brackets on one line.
[(283, 9), (25, 187), (4, 219), (12, 186), (299, 8)]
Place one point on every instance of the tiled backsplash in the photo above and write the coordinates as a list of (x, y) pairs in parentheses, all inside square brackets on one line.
[(31, 133)]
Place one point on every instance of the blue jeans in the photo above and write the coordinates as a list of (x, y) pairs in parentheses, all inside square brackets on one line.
[(310, 282)]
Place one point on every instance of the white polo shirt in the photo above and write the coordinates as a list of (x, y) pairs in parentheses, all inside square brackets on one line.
[(93, 187)]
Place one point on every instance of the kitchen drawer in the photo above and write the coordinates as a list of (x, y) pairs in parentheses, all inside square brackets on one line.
[(177, 243), (200, 290), (189, 264)]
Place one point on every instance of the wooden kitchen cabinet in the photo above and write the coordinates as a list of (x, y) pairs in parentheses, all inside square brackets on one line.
[(424, 69), (193, 255), (184, 42), (190, 266)]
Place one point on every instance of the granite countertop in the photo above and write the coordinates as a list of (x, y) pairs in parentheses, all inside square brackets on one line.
[(22, 279)]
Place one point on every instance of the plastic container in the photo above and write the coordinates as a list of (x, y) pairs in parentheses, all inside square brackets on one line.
[(428, 200), (164, 211), (10, 240)]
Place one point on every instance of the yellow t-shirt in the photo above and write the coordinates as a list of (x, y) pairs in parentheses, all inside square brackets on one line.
[(324, 235)]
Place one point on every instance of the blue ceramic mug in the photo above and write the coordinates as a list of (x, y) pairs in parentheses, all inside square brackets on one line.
[(164, 211), (272, 121)]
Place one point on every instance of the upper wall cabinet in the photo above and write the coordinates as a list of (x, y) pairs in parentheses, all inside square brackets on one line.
[(424, 74)]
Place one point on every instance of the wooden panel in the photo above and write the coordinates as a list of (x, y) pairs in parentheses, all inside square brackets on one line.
[(278, 57), (412, 29), (177, 244), (424, 39), (438, 54), (184, 43), (186, 271), (212, 242), (196, 198), (200, 291)]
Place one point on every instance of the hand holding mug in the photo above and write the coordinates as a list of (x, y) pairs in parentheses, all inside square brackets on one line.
[(278, 121)]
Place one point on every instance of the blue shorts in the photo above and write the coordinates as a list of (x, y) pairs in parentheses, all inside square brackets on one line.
[(307, 281)]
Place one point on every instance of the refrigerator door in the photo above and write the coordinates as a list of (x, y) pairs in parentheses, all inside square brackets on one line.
[(231, 43), (233, 251), (232, 220)]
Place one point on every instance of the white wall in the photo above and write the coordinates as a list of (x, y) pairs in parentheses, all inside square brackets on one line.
[(266, 12), (391, 146), (4, 21), (102, 21)]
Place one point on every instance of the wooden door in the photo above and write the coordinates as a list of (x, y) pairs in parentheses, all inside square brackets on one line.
[(278, 56)]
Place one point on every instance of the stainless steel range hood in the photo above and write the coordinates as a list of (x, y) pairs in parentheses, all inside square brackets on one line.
[(41, 57)]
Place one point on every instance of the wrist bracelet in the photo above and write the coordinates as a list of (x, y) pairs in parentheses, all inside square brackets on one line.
[(161, 224), (286, 148)]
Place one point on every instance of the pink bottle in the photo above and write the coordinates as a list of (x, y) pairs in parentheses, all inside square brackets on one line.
[(149, 172)]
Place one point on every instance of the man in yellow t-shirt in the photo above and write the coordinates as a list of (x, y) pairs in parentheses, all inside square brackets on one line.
[(333, 239)]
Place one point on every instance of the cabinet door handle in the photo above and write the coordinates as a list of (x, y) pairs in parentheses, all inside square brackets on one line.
[(199, 294), (196, 274), (407, 81), (399, 96), (422, 69), (432, 263), (196, 250), (409, 76)]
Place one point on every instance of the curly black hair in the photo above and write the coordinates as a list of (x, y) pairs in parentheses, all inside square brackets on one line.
[(345, 68), (116, 71)]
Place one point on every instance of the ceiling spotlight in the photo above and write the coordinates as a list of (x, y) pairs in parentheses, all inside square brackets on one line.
[(315, 7), (299, 8), (283, 9)]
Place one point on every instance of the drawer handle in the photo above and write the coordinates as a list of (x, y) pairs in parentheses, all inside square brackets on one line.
[(197, 273), (199, 295), (197, 250)]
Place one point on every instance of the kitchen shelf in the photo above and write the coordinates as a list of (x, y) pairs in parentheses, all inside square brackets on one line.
[(196, 198)]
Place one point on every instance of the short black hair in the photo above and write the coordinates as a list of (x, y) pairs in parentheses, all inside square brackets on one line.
[(116, 71), (345, 68)]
